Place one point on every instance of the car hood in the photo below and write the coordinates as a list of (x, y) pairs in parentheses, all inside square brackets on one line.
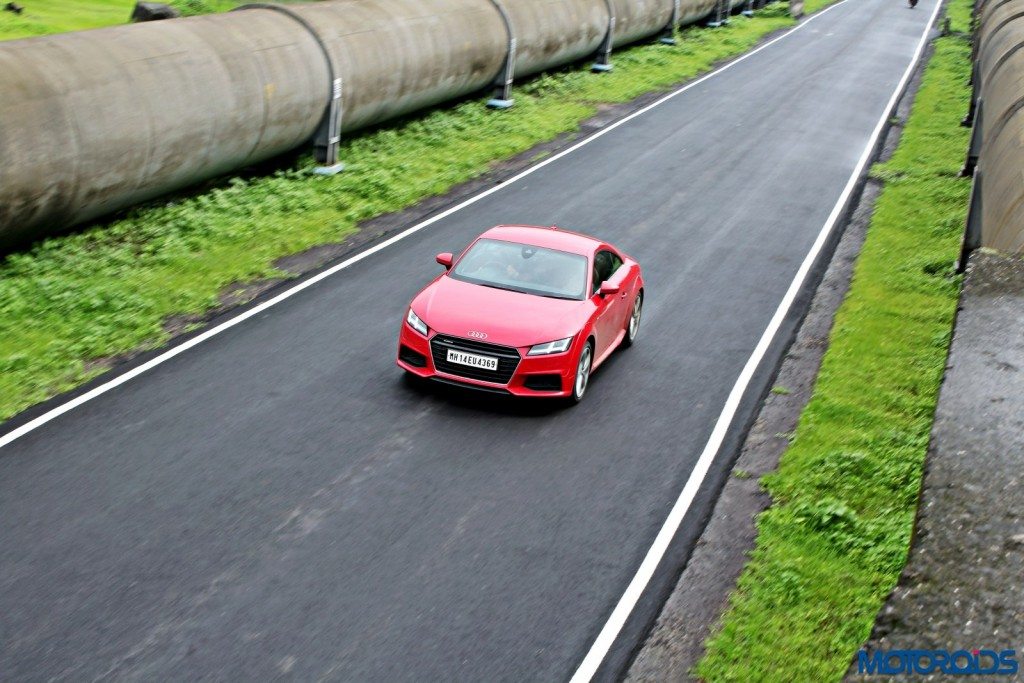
[(508, 318)]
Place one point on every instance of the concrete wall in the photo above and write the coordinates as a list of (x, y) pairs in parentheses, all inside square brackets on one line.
[(999, 88), (96, 121)]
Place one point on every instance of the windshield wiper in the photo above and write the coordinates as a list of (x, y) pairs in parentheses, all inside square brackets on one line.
[(504, 289), (531, 292)]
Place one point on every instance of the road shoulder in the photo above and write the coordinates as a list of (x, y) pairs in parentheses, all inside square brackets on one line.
[(676, 642)]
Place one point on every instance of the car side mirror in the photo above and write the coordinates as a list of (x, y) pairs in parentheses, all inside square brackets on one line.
[(445, 259), (608, 288)]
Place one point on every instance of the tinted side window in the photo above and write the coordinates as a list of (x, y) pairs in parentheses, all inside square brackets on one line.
[(605, 265), (616, 264), (602, 268)]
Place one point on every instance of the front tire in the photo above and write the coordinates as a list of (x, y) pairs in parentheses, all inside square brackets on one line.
[(633, 321), (582, 377)]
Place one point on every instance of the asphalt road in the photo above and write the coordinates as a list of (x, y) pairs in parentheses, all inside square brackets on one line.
[(276, 501)]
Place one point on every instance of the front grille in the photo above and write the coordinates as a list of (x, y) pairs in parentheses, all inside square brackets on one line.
[(508, 358)]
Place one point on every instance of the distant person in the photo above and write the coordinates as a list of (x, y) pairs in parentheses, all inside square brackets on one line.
[(913, 3)]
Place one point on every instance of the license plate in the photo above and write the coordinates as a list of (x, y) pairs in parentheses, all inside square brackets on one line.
[(472, 360)]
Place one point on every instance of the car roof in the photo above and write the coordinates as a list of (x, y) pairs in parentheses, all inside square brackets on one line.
[(550, 237)]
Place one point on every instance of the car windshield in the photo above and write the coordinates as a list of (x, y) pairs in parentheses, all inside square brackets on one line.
[(524, 268)]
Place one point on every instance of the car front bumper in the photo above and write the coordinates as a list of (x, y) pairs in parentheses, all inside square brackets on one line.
[(535, 376)]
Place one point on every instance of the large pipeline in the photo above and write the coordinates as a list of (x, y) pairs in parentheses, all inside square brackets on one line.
[(95, 121), (996, 217)]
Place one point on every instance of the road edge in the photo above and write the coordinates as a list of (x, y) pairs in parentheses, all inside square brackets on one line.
[(675, 642)]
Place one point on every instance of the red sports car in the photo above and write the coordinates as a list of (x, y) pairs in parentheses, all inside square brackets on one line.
[(524, 310)]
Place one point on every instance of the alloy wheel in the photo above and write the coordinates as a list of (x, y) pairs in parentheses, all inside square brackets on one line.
[(583, 372)]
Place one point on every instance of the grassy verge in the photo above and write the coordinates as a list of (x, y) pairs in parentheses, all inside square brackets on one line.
[(43, 17), (836, 537), (812, 6), (108, 290)]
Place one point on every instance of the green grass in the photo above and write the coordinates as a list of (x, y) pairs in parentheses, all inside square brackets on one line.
[(812, 6), (43, 17), (833, 543), (108, 290)]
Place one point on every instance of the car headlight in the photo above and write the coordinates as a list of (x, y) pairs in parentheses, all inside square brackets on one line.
[(415, 323), (550, 347)]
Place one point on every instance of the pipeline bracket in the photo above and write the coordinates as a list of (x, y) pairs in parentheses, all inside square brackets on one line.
[(328, 135), (603, 61), (328, 132), (972, 231), (974, 148), (668, 36), (722, 9), (968, 119), (502, 97)]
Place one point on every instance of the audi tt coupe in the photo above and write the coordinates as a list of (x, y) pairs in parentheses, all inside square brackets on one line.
[(524, 310)]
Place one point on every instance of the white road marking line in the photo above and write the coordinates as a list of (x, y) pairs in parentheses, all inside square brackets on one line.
[(595, 656), (56, 412)]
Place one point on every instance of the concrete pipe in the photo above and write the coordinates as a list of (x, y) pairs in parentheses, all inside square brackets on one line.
[(550, 33), (397, 56), (95, 121), (999, 87)]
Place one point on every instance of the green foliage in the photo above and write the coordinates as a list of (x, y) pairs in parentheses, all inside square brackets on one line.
[(812, 6), (191, 8), (831, 547), (43, 17), (107, 289)]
